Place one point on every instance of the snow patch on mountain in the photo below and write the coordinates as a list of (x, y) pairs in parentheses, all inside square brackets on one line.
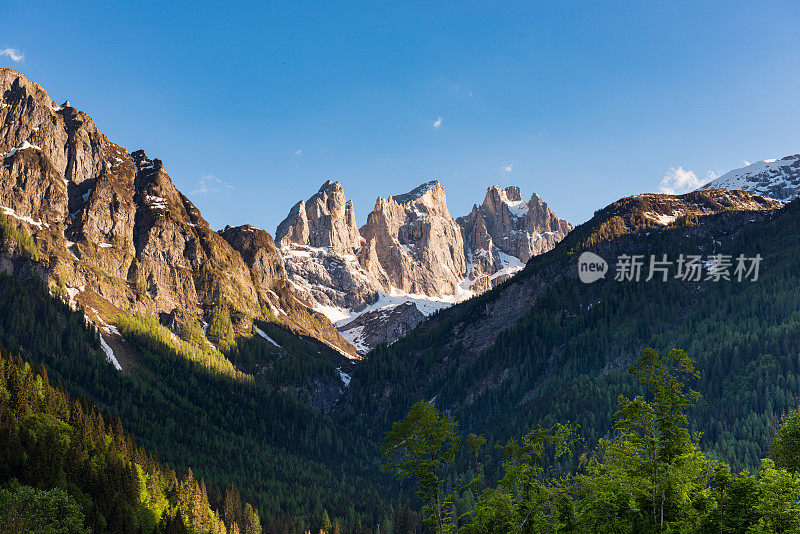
[(344, 377), (109, 353), (355, 336), (9, 212), (426, 304), (662, 218), (517, 207), (773, 178), (265, 336), (411, 258), (23, 146)]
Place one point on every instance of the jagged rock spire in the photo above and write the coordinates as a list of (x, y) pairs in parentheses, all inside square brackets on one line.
[(326, 219)]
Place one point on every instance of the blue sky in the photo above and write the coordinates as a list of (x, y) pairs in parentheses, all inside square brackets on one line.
[(253, 106)]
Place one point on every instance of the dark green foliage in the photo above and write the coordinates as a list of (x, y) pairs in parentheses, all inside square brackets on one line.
[(786, 447), (192, 333), (27, 509), (283, 456), (649, 476), (220, 328), (149, 333), (294, 362), (419, 446), (566, 359), (88, 474)]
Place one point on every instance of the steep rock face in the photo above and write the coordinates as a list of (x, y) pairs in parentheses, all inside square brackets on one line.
[(183, 262), (706, 220), (363, 279), (410, 258), (112, 224), (259, 252), (318, 241), (483, 259), (384, 325), (504, 232), (325, 220), (58, 169), (329, 279), (773, 178), (413, 244)]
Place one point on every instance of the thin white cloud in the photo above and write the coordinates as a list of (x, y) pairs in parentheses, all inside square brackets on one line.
[(508, 167), (210, 184), (13, 53), (679, 180), (437, 123), (458, 89), (298, 152)]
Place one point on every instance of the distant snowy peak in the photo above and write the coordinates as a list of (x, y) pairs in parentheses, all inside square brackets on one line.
[(504, 232), (773, 178)]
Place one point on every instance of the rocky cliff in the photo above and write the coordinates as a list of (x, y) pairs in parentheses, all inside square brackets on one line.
[(413, 244), (117, 235), (411, 257), (324, 220), (504, 232)]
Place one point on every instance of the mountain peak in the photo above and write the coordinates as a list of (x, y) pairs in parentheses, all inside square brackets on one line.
[(94, 207), (510, 193), (330, 185), (505, 232), (773, 178), (510, 198), (326, 219), (417, 193)]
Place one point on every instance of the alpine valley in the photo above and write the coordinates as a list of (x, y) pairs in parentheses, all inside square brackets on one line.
[(157, 375)]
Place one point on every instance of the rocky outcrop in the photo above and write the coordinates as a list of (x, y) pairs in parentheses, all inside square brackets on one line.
[(410, 258), (483, 259), (413, 244), (318, 243), (384, 325), (182, 260), (324, 220), (410, 244), (260, 254), (113, 224), (258, 250), (504, 232)]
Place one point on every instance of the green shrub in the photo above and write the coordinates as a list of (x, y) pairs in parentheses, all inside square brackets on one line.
[(23, 240)]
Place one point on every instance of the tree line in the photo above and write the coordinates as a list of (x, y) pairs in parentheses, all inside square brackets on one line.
[(649, 475)]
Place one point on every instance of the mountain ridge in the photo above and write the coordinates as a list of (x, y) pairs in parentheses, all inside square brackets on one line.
[(409, 251), (774, 178), (114, 222)]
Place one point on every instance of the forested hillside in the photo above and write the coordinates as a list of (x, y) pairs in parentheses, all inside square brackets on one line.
[(68, 469), (236, 419), (650, 475), (295, 464), (566, 358)]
